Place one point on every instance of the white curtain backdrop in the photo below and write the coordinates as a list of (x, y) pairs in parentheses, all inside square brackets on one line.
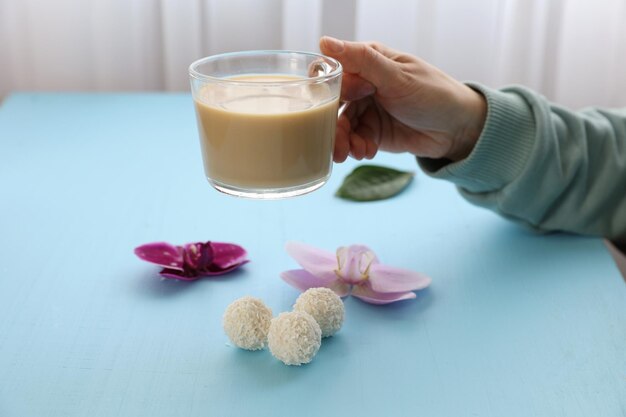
[(572, 51)]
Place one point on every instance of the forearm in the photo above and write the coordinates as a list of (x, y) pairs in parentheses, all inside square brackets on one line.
[(545, 166)]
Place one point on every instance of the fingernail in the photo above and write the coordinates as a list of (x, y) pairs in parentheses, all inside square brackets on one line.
[(334, 45)]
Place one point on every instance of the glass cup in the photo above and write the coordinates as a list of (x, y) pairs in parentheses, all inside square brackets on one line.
[(266, 121)]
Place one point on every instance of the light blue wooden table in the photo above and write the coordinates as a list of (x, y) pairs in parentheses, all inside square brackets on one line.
[(514, 324)]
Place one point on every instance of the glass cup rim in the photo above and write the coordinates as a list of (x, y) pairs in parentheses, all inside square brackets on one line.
[(194, 73)]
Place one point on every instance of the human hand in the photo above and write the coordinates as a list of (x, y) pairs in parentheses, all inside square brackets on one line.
[(400, 103)]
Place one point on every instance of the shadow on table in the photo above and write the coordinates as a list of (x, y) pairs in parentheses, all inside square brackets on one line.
[(263, 371), (393, 311), (618, 251), (259, 370), (151, 284)]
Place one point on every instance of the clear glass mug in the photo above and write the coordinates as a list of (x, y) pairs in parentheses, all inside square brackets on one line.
[(266, 121)]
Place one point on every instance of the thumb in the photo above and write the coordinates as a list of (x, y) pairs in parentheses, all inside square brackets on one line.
[(361, 59)]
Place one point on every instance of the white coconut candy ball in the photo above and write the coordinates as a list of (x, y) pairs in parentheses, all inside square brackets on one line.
[(246, 323), (294, 337), (325, 306)]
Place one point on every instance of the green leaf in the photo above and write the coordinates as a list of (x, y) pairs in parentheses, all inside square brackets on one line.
[(373, 182)]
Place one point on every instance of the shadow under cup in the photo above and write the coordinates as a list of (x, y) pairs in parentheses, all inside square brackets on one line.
[(266, 121)]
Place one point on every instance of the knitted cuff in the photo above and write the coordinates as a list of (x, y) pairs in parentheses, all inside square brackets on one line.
[(502, 149)]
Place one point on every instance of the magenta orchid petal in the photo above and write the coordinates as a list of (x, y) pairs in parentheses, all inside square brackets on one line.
[(368, 295), (388, 279), (175, 274), (318, 262), (192, 275), (217, 270), (193, 260), (162, 254), (225, 255), (198, 256)]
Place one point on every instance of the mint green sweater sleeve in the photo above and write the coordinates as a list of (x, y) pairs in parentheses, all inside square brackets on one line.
[(545, 166)]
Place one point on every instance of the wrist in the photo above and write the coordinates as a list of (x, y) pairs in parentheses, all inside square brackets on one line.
[(473, 114)]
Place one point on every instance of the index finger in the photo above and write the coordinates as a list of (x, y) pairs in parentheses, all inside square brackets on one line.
[(361, 59)]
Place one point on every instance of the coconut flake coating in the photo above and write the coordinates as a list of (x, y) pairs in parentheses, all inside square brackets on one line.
[(246, 322), (325, 306), (294, 337)]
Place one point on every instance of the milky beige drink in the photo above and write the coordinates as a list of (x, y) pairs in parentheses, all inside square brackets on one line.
[(268, 138)]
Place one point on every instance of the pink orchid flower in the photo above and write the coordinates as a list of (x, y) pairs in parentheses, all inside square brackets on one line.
[(352, 270), (193, 260)]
